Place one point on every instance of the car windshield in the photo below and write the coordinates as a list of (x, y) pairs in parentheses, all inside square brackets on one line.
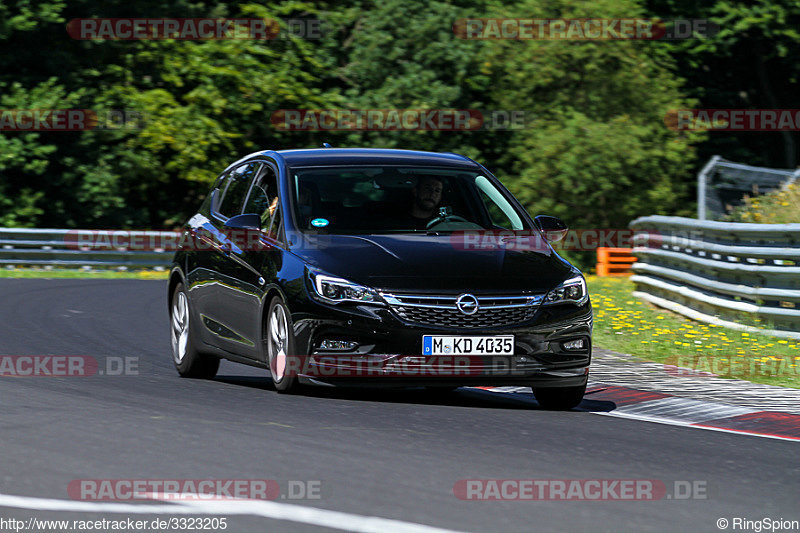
[(399, 199)]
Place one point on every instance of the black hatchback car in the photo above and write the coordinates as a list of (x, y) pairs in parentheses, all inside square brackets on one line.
[(385, 267)]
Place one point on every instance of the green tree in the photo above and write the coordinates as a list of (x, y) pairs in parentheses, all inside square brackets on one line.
[(751, 63), (595, 149), (598, 152), (202, 105)]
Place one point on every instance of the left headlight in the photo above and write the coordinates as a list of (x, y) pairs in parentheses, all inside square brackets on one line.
[(571, 291), (335, 290)]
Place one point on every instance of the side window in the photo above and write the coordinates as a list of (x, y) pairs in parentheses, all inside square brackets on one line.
[(235, 189), (263, 200), (496, 215), (500, 212), (215, 189), (276, 225)]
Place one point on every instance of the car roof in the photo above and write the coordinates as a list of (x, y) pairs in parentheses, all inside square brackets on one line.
[(372, 156)]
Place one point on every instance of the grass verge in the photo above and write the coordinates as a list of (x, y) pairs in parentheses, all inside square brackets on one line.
[(62, 273), (628, 325)]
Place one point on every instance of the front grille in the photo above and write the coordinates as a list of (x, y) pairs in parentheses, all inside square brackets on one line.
[(442, 312)]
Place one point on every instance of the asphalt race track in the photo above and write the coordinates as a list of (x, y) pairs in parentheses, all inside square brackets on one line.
[(390, 455)]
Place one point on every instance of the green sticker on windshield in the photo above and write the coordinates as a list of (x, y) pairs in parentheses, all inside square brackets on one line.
[(319, 222)]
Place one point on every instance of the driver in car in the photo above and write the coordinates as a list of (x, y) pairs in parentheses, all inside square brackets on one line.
[(427, 195)]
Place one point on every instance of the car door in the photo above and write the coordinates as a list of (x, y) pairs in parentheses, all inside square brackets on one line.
[(233, 287), (262, 258), (203, 259)]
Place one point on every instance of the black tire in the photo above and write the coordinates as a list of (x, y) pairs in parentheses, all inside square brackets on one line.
[(559, 398), (188, 361), (279, 340)]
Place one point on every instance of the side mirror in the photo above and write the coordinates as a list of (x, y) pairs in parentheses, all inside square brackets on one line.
[(553, 228), (247, 221)]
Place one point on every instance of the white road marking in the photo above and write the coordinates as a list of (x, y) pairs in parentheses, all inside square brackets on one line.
[(674, 411), (684, 410), (681, 423), (267, 509)]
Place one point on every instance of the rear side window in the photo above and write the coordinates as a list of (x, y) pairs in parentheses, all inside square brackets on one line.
[(235, 189)]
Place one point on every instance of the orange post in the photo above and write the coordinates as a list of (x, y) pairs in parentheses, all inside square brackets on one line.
[(614, 261)]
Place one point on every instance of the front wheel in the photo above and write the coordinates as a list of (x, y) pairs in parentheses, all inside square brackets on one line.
[(559, 398), (188, 361), (279, 337)]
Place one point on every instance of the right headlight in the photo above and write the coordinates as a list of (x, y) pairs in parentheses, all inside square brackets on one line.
[(571, 291), (334, 290)]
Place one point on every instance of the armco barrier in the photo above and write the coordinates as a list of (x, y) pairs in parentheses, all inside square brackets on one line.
[(744, 276), (57, 247)]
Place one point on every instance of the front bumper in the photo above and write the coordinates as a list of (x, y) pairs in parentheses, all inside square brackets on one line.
[(388, 350), (391, 371)]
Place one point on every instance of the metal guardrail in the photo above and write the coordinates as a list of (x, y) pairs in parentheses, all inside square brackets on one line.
[(64, 248), (722, 183), (732, 274), (743, 276)]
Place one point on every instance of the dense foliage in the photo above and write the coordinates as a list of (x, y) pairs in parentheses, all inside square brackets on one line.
[(594, 148)]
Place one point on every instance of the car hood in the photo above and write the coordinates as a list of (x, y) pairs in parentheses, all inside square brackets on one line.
[(417, 263)]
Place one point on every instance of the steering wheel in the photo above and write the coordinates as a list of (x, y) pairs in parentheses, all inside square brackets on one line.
[(446, 218)]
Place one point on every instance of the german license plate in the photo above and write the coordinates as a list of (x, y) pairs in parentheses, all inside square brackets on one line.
[(459, 345)]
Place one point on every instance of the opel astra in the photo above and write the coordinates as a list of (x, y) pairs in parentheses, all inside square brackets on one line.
[(378, 267)]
